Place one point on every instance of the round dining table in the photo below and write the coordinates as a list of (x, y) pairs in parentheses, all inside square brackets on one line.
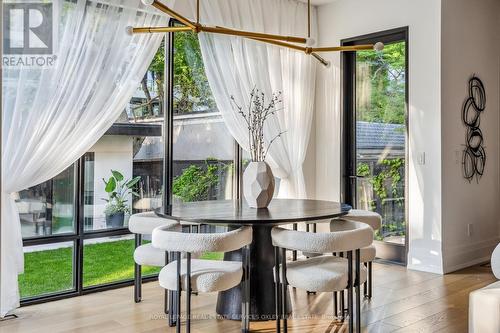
[(236, 213)]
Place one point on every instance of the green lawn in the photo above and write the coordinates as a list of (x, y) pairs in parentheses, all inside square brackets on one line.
[(52, 270)]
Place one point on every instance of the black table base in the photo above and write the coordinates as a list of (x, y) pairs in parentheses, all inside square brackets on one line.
[(262, 303)]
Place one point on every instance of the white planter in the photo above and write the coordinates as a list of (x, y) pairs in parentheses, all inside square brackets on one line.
[(258, 184)]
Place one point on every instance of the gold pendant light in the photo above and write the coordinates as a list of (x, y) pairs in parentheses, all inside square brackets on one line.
[(291, 42)]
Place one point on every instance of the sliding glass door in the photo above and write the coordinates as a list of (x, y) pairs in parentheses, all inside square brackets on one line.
[(375, 127)]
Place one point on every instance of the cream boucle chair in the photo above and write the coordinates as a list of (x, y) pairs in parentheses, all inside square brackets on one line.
[(204, 275), (143, 224), (324, 273), (369, 253)]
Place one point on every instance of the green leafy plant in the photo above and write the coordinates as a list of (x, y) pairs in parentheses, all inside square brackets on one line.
[(118, 190), (195, 182), (391, 172)]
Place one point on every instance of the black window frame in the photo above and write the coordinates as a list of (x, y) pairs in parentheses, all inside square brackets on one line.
[(397, 253)]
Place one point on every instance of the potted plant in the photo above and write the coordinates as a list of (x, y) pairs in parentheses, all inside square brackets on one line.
[(258, 179), (118, 191)]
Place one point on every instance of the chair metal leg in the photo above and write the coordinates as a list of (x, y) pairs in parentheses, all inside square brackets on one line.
[(137, 273), (171, 300), (350, 292), (245, 304), (165, 301), (277, 285), (178, 295), (358, 291), (171, 312), (294, 252), (342, 297), (284, 289), (188, 292), (335, 304), (365, 285), (370, 280)]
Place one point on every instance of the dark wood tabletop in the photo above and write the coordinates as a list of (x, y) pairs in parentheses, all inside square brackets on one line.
[(231, 212)]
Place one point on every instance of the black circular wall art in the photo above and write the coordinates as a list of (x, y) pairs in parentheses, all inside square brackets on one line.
[(474, 155)]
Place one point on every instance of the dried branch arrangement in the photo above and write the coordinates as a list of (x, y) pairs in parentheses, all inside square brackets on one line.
[(255, 115)]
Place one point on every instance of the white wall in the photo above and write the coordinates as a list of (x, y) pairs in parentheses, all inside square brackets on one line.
[(349, 18), (470, 44), (111, 152)]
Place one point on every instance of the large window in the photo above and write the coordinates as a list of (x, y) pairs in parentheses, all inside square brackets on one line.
[(375, 88), (73, 241)]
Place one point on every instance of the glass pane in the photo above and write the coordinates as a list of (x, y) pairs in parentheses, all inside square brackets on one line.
[(48, 208), (47, 269), (203, 148), (110, 259), (147, 101), (381, 138), (139, 158), (133, 147)]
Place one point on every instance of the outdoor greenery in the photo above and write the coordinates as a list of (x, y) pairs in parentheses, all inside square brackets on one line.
[(381, 98), (191, 89), (382, 75), (387, 181), (49, 271), (196, 183)]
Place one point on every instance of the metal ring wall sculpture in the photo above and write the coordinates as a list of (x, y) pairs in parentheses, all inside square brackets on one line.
[(474, 154)]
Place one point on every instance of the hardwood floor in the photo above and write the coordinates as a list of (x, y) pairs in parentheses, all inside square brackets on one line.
[(403, 301)]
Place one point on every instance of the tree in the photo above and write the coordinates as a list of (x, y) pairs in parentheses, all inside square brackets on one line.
[(382, 75), (191, 88)]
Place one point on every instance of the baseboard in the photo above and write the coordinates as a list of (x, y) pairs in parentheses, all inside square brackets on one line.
[(467, 255), (425, 268), (467, 264)]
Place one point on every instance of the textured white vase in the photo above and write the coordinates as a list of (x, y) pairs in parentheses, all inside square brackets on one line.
[(258, 184)]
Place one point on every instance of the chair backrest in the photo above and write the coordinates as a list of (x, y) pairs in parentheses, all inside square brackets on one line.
[(168, 240), (373, 219), (145, 223), (495, 262), (350, 236)]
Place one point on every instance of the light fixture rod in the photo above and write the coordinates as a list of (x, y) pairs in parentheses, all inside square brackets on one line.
[(343, 48), (278, 43), (322, 60), (158, 5), (309, 18), (160, 29), (227, 31), (197, 12)]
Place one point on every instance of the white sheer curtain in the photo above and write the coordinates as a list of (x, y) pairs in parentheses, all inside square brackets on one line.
[(235, 65), (53, 115)]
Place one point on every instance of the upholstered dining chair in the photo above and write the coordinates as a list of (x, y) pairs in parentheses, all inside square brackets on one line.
[(323, 273), (369, 253), (202, 275), (143, 224)]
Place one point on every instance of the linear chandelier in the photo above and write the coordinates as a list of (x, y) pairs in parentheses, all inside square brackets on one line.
[(303, 44)]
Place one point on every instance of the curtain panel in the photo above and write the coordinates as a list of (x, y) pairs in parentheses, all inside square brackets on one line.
[(53, 115), (235, 65)]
